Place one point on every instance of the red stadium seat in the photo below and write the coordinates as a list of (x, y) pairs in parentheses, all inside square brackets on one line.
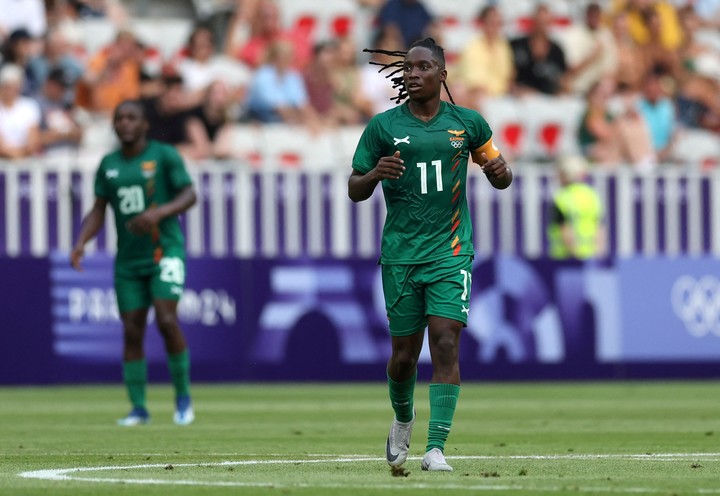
[(290, 159), (550, 135), (306, 23), (255, 159), (710, 163), (342, 26), (512, 135)]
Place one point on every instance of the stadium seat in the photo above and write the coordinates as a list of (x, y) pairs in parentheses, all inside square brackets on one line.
[(552, 123), (507, 124), (284, 146), (332, 19), (246, 144)]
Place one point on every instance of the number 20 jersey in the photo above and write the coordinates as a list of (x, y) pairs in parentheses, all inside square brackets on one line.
[(133, 184), (427, 213)]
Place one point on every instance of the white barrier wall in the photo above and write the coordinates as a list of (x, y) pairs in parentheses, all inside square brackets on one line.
[(243, 212)]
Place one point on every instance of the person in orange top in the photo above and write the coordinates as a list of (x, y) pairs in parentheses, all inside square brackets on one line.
[(113, 74)]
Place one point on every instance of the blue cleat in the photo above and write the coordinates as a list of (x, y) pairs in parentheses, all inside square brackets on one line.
[(184, 414), (137, 416)]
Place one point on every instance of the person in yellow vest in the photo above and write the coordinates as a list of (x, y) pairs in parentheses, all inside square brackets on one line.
[(575, 229)]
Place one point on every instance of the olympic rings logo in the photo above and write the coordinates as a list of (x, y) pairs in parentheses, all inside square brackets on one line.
[(697, 303)]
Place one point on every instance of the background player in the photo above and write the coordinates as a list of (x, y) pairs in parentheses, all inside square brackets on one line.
[(419, 151), (147, 185)]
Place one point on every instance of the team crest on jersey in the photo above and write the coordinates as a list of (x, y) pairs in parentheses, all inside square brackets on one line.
[(148, 169), (457, 140)]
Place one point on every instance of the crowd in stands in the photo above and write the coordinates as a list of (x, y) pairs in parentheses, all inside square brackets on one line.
[(638, 65)]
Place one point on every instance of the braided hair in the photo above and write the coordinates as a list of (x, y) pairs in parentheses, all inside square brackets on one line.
[(397, 66)]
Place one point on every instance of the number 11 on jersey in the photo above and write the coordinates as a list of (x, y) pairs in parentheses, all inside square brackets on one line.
[(423, 176)]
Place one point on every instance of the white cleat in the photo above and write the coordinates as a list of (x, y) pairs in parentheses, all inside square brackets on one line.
[(184, 414), (434, 461), (138, 416), (398, 442)]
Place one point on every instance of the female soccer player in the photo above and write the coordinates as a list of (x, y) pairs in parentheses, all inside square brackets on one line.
[(419, 152), (147, 186)]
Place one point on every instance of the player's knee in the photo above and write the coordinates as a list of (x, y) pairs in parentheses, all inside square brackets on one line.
[(167, 323), (445, 347), (404, 359)]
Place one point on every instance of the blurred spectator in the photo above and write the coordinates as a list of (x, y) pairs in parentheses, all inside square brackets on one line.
[(201, 65), (410, 17), (277, 92), (590, 51), (691, 48), (19, 116), (168, 117), (671, 34), (57, 54), (659, 114), (539, 61), (59, 131), (346, 81), (697, 100), (332, 82), (18, 50), (318, 80), (113, 75), (631, 66), (22, 14), (611, 138), (657, 55), (265, 29), (489, 49), (375, 92), (209, 126)]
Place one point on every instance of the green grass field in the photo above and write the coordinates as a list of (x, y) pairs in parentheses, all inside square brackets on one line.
[(554, 439)]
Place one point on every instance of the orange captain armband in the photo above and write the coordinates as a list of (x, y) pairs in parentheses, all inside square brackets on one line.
[(489, 149)]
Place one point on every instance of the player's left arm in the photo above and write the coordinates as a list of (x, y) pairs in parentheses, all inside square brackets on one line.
[(493, 164)]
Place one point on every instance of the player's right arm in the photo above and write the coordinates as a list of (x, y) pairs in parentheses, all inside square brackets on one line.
[(370, 163), (91, 225), (361, 186)]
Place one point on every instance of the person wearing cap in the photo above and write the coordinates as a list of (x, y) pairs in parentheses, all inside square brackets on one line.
[(19, 116), (575, 229)]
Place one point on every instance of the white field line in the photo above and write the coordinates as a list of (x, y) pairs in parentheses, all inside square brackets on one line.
[(70, 474)]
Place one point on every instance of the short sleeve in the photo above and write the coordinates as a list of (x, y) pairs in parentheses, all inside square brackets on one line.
[(101, 185), (481, 131), (178, 176), (369, 148)]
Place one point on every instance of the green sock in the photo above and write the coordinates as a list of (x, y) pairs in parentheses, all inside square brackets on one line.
[(179, 365), (401, 397), (135, 377), (443, 400)]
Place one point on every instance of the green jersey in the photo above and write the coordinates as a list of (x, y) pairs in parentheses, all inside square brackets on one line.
[(427, 213), (133, 184)]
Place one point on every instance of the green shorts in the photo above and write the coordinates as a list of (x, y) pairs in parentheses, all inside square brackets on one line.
[(137, 288), (413, 292)]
